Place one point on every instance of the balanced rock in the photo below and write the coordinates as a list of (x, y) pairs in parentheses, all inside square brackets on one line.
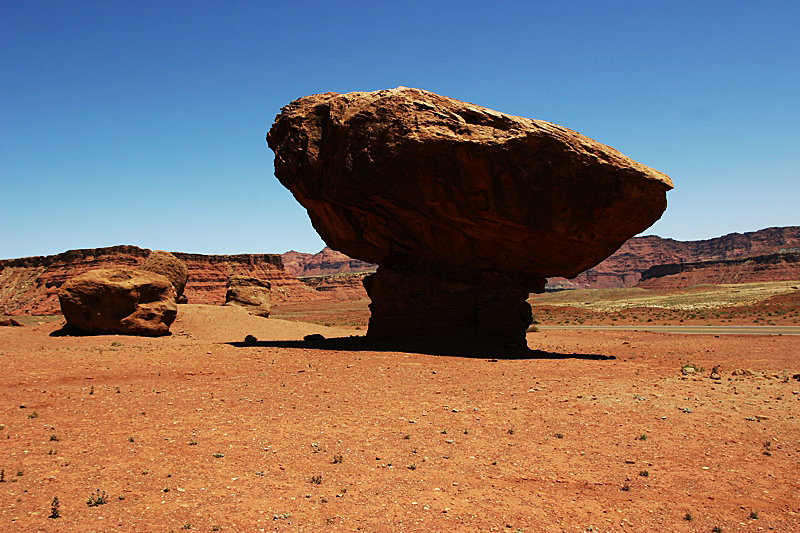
[(465, 210), (126, 301), (252, 294), (168, 265)]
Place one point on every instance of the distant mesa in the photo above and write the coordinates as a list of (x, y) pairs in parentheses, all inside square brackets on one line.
[(29, 285), (124, 301), (465, 210)]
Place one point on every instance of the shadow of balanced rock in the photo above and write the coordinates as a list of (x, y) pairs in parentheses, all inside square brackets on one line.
[(465, 210)]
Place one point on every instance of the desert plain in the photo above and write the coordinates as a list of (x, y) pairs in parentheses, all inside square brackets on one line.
[(593, 430)]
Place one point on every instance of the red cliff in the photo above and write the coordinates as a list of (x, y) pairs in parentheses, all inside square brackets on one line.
[(29, 285)]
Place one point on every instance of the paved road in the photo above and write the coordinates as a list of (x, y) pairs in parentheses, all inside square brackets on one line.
[(706, 330)]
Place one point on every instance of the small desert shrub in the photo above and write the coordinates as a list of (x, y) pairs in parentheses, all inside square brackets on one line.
[(644, 473), (97, 498), (690, 369), (337, 459), (218, 455), (753, 515), (54, 512), (316, 479)]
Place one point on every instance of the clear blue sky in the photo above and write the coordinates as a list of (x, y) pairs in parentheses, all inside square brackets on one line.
[(144, 122)]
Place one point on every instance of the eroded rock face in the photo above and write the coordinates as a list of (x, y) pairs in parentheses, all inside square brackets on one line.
[(478, 203), (252, 294), (169, 266), (125, 301)]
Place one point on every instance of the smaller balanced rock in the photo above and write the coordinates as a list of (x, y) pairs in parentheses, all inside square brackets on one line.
[(125, 301), (168, 265), (252, 294)]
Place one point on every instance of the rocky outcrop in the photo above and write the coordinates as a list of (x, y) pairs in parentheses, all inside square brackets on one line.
[(781, 265), (625, 266), (323, 263), (124, 301), (30, 285), (252, 294), (464, 209), (169, 266)]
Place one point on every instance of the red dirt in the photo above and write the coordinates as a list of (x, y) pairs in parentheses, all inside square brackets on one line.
[(427, 443)]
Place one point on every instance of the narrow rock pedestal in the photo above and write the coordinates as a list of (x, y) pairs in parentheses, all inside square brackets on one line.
[(418, 305)]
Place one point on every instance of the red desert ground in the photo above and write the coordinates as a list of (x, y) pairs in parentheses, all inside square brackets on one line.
[(602, 430)]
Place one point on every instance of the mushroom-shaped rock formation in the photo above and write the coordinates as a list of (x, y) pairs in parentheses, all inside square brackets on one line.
[(465, 210)]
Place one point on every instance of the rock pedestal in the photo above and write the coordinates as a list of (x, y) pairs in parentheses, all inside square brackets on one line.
[(488, 306), (479, 206)]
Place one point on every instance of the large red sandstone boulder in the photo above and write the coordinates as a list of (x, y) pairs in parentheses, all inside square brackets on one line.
[(167, 265), (252, 294), (126, 301), (463, 208)]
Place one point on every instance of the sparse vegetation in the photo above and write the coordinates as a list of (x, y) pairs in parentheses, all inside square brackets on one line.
[(54, 508), (690, 369), (316, 479), (97, 498), (337, 459), (644, 473)]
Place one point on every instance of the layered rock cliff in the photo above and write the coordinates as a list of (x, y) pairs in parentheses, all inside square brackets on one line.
[(29, 285), (777, 266), (624, 268)]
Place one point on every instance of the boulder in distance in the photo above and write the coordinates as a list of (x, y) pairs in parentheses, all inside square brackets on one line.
[(250, 293), (168, 265), (124, 301)]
